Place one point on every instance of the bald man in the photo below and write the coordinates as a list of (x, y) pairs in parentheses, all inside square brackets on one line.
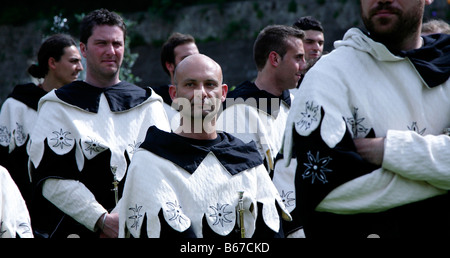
[(197, 182)]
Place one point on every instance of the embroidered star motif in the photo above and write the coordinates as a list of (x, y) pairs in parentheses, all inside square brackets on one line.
[(136, 216), (134, 146), (94, 146), (220, 214), (20, 135), (286, 199), (5, 135), (356, 123), (61, 139), (416, 129), (316, 168), (177, 213), (309, 116)]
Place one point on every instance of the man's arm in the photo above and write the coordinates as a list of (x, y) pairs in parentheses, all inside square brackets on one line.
[(417, 157), (73, 198), (371, 149)]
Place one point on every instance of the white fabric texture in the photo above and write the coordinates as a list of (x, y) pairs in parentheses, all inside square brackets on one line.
[(81, 205), (210, 192), (16, 122), (14, 216), (250, 124), (66, 127), (363, 86)]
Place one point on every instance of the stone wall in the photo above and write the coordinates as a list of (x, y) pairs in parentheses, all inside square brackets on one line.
[(225, 32)]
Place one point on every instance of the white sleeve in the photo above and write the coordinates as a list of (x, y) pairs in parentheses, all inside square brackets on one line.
[(417, 157), (415, 167), (377, 191), (73, 198), (14, 216)]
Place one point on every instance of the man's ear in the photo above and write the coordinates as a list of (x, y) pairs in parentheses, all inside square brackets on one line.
[(173, 92), (83, 49), (170, 67), (52, 63), (224, 92), (274, 58)]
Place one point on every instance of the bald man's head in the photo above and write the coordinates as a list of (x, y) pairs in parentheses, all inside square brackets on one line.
[(198, 63), (199, 86)]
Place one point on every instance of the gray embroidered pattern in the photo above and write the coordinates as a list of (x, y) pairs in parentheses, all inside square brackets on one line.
[(176, 212), (220, 214), (287, 200), (62, 139), (136, 216), (309, 116), (94, 146), (356, 123), (5, 135), (20, 134), (134, 146), (416, 129), (316, 168)]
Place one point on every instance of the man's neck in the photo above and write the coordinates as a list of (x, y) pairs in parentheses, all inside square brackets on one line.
[(51, 83), (197, 129), (101, 82), (265, 83), (412, 41)]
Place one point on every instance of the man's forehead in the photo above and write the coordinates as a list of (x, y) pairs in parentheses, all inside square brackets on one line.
[(107, 31), (313, 34), (295, 44)]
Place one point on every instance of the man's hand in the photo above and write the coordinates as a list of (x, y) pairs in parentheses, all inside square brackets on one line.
[(110, 227), (371, 149)]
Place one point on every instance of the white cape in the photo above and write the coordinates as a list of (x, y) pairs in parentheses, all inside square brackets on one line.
[(66, 127), (211, 192)]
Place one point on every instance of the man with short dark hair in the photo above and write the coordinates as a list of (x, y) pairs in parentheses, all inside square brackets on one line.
[(279, 58), (314, 37), (177, 47), (85, 134)]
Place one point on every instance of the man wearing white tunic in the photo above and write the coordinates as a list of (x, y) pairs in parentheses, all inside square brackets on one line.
[(366, 127), (59, 63), (257, 111), (188, 183), (85, 136), (14, 216)]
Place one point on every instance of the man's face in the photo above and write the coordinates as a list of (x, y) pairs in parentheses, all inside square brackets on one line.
[(199, 86), (313, 44), (69, 66), (392, 19), (183, 51), (292, 64), (104, 51)]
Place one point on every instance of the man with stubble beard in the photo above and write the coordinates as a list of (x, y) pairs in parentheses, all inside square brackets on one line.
[(367, 128), (85, 135)]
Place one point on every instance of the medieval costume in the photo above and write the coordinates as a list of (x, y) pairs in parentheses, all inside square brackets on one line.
[(360, 90), (88, 135), (17, 118), (14, 216), (255, 115), (192, 190)]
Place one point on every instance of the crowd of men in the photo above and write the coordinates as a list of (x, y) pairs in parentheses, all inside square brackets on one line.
[(351, 143)]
